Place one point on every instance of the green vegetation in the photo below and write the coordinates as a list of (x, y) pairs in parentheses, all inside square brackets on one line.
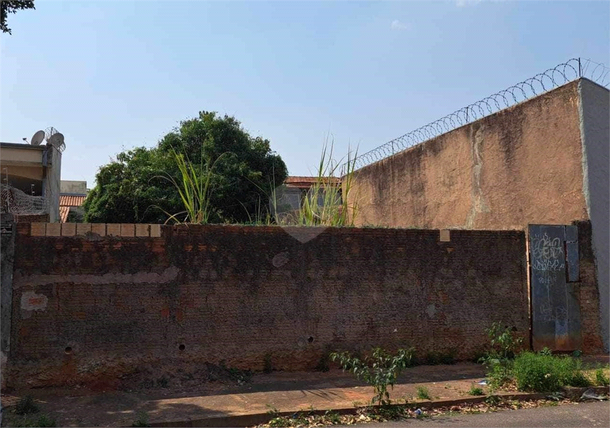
[(194, 190), (12, 6), (545, 373), (41, 421), (499, 357), (215, 153), (475, 390), (323, 363), (26, 405), (423, 393), (529, 371), (142, 420), (380, 369), (267, 364), (327, 201), (601, 378)]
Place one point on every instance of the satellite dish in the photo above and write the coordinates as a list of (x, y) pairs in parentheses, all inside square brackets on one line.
[(57, 140), (37, 138)]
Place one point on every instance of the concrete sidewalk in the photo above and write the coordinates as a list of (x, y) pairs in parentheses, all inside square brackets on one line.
[(223, 404), (282, 391)]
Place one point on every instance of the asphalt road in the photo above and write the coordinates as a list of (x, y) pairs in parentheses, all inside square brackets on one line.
[(595, 414)]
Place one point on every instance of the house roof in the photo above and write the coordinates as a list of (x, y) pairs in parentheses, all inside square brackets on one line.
[(304, 182), (63, 214), (71, 200)]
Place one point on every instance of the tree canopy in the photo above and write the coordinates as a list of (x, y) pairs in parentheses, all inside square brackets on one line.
[(12, 6), (137, 186)]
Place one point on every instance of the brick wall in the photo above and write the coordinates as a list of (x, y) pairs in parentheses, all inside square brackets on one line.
[(88, 306)]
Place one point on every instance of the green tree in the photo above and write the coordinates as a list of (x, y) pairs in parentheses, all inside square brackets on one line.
[(138, 187), (12, 6)]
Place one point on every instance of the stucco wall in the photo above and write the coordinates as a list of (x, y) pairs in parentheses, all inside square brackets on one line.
[(595, 121), (519, 166)]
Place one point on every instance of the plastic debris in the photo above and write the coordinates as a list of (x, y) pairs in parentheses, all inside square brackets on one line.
[(418, 412), (590, 394), (483, 382)]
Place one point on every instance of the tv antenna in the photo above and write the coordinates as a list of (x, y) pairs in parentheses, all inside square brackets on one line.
[(55, 139)]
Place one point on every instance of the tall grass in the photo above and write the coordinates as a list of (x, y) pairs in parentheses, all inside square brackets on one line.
[(327, 202), (194, 188)]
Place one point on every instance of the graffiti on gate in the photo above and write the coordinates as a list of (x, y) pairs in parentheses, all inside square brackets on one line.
[(548, 254)]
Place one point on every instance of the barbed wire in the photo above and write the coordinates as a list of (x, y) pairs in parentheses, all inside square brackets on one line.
[(561, 74)]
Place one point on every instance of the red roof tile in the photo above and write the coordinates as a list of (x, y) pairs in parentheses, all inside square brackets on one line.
[(71, 200)]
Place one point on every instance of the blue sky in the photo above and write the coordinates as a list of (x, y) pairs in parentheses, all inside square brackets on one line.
[(112, 75)]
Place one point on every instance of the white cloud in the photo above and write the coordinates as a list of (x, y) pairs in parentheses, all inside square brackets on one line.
[(462, 3), (397, 25)]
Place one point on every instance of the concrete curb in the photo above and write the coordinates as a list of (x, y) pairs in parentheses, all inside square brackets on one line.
[(252, 419)]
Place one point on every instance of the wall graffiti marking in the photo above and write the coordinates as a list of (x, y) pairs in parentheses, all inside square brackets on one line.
[(547, 253)]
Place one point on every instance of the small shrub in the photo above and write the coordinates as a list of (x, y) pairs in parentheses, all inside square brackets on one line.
[(546, 351), (163, 382), (492, 400), (544, 373), (323, 365), (332, 418), (500, 374), (601, 378), (142, 420), (422, 393), (42, 421), (379, 370), (503, 343), (267, 364), (475, 390), (26, 405), (45, 421)]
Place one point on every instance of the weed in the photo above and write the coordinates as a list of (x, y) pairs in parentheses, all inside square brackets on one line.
[(280, 421), (379, 370), (42, 421), (273, 412), (163, 382), (504, 344), (499, 358), (267, 364), (601, 378), (422, 393), (142, 420), (542, 373), (26, 405), (333, 418), (546, 351), (492, 400), (327, 202), (323, 365), (475, 390), (194, 189)]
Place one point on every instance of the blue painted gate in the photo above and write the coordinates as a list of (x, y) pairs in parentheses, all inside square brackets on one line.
[(554, 270)]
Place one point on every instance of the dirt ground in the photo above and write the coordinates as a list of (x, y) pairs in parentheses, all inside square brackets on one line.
[(214, 391), (86, 407)]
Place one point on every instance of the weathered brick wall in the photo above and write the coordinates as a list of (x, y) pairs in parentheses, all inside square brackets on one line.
[(88, 307)]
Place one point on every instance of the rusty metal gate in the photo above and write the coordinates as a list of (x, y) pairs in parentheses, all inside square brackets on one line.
[(554, 268)]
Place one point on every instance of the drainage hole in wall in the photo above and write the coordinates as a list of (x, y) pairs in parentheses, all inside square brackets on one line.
[(310, 339), (181, 347), (68, 350)]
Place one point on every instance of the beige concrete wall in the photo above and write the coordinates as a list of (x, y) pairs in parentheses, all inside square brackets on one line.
[(519, 166)]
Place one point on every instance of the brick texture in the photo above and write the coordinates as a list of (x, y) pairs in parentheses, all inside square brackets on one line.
[(236, 294)]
